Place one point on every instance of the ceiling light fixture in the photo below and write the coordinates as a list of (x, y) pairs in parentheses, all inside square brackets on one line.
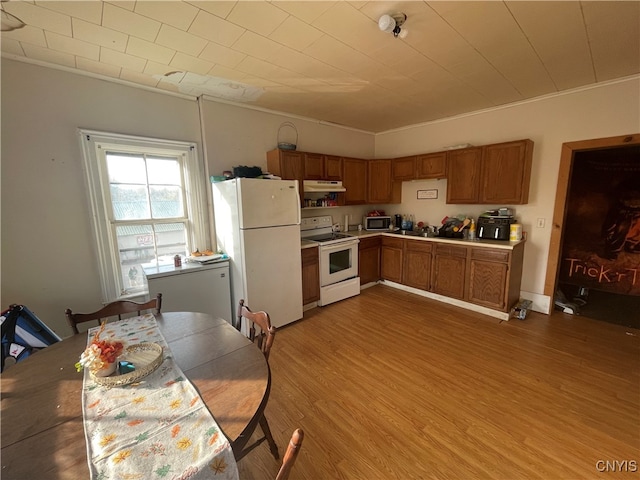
[(392, 24), (9, 22)]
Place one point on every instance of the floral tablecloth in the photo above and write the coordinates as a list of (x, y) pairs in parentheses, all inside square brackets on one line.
[(156, 428)]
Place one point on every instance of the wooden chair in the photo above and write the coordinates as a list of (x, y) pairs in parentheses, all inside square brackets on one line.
[(112, 309), (291, 454), (264, 341)]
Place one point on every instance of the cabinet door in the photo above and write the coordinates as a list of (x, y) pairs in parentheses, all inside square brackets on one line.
[(332, 167), (487, 283), (313, 166), (404, 168), (380, 181), (506, 172), (310, 275), (417, 264), (432, 165), (449, 270), (369, 260), (391, 259), (354, 179), (463, 175)]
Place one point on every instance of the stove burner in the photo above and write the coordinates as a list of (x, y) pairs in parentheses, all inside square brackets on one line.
[(327, 237)]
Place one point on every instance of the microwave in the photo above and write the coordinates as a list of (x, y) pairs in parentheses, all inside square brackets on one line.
[(376, 223)]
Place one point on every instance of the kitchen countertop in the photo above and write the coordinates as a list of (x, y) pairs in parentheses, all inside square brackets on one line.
[(507, 245)]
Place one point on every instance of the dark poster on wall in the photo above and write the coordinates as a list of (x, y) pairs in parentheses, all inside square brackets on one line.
[(601, 246)]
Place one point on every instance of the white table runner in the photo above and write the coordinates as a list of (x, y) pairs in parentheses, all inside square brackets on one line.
[(156, 428)]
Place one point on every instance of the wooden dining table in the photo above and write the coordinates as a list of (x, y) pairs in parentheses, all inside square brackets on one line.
[(41, 407)]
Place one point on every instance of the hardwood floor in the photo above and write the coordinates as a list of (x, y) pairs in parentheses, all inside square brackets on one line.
[(390, 385)]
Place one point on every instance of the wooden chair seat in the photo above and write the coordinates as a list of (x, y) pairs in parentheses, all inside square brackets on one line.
[(113, 309)]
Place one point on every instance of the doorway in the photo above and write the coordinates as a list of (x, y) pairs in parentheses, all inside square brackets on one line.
[(594, 262)]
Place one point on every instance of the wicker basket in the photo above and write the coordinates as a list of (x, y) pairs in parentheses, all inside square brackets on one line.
[(285, 145), (147, 357)]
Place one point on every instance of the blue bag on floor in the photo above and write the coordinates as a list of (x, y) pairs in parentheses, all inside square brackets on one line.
[(23, 334)]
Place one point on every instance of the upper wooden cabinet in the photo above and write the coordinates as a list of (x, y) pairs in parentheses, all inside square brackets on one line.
[(431, 165), (322, 167), (418, 167), (287, 164), (381, 186), (506, 172), (404, 168), (354, 180), (463, 175), (492, 174)]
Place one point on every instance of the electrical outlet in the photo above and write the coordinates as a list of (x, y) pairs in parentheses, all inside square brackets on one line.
[(540, 223)]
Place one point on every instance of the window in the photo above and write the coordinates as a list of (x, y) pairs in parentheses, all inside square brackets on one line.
[(147, 203)]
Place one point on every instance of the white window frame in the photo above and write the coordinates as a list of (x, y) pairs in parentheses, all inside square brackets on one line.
[(94, 144)]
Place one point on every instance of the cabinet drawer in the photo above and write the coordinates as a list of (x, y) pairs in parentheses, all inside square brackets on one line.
[(490, 255), (418, 246), (453, 250), (392, 242)]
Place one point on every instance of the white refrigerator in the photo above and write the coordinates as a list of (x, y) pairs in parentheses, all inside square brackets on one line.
[(257, 224)]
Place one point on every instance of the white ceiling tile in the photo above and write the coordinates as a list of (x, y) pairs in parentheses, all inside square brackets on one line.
[(131, 23), (222, 55), (220, 9), (36, 16), (160, 70), (351, 27), (220, 71), (85, 10), (98, 67), (152, 51), (259, 17), (97, 35), (11, 47), (123, 60), (295, 34), (187, 63), (182, 41), (28, 34), (37, 52), (613, 29), (164, 84), (257, 46), (126, 4), (559, 24), (215, 29), (307, 11), (260, 82), (137, 77), (62, 43), (176, 14), (256, 67)]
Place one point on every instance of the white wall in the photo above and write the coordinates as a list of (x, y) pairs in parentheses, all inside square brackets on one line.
[(604, 111), (48, 262)]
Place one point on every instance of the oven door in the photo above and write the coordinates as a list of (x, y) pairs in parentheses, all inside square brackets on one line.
[(338, 262)]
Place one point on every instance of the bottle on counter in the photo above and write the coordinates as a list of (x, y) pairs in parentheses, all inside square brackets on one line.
[(472, 230)]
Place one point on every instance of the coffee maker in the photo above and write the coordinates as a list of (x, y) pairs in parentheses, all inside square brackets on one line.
[(397, 221)]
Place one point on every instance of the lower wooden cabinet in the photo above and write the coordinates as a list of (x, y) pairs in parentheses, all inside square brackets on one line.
[(449, 270), (416, 270), (310, 275), (391, 259), (369, 259), (494, 277)]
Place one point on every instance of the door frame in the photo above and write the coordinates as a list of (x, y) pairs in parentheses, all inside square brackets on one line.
[(564, 179)]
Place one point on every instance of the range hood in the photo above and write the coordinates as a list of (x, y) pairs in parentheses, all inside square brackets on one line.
[(322, 186)]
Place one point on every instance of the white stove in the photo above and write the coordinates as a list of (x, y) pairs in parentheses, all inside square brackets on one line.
[(338, 259)]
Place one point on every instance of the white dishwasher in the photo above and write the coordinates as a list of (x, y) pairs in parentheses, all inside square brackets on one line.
[(193, 288)]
